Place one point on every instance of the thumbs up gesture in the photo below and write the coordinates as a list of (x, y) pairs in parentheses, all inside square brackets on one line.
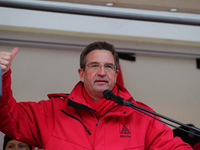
[(6, 59)]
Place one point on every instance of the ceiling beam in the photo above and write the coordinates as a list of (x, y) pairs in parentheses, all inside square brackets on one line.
[(98, 11)]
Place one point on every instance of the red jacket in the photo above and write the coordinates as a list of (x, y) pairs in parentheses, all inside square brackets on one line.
[(68, 122)]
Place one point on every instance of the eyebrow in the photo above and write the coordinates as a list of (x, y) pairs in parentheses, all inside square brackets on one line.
[(94, 62), (99, 63)]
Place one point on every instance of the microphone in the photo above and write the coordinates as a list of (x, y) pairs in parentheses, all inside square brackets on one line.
[(108, 94)]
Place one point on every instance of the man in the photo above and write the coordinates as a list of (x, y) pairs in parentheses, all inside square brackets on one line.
[(84, 120)]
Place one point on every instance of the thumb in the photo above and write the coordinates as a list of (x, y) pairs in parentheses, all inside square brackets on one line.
[(14, 52)]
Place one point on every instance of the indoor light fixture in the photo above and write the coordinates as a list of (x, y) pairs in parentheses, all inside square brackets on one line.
[(173, 9), (109, 4)]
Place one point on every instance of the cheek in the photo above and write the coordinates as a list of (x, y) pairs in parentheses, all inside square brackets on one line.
[(89, 76), (113, 77)]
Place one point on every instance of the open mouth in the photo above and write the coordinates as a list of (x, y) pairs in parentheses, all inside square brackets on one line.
[(101, 81)]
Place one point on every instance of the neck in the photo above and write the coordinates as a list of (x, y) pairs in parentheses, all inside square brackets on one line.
[(96, 96)]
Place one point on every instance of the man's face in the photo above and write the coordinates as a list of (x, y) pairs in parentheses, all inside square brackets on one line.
[(99, 73)]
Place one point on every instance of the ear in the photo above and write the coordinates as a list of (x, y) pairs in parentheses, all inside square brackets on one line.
[(81, 74), (117, 72)]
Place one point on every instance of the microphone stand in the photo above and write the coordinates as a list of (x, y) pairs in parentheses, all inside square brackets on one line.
[(192, 130), (108, 94)]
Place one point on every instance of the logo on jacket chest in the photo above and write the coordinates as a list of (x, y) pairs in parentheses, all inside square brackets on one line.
[(125, 130)]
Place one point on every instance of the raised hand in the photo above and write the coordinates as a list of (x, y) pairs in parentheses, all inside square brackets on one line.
[(6, 59)]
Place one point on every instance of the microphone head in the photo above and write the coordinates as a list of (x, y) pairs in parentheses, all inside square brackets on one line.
[(105, 93)]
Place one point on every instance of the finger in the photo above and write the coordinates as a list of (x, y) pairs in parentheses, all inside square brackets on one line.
[(3, 67), (4, 62), (14, 52), (5, 55)]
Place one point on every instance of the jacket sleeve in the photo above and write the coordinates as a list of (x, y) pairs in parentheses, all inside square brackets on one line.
[(24, 121)]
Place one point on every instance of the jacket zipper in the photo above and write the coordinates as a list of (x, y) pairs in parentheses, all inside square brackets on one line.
[(110, 109), (115, 106), (77, 120), (97, 119), (103, 115)]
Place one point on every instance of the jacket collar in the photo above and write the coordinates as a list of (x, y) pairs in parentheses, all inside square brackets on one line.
[(76, 98)]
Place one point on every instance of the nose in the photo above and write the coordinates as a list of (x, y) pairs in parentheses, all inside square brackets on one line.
[(102, 71)]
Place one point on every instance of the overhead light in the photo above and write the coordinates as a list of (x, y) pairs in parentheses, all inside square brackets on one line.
[(173, 9), (109, 4)]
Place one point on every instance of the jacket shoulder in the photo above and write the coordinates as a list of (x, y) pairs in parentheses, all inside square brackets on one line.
[(144, 106), (58, 100)]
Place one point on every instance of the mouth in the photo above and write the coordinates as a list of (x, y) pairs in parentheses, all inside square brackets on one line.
[(101, 81)]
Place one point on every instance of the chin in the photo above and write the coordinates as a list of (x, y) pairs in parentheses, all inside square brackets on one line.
[(101, 89)]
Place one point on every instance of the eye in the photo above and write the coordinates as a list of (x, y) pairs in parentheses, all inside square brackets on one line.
[(94, 65), (11, 146), (22, 146), (109, 66)]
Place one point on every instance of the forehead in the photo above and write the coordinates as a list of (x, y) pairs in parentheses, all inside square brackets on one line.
[(13, 142), (104, 56)]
